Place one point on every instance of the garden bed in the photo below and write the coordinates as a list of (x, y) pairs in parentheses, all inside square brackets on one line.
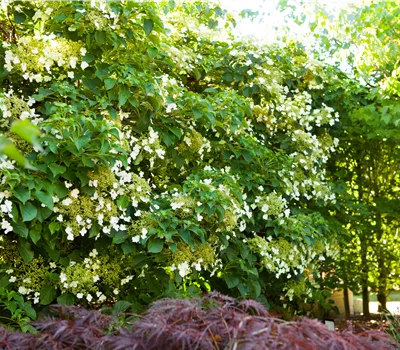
[(358, 324), (212, 322)]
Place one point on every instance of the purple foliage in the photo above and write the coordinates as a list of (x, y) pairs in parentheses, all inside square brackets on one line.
[(13, 340), (212, 322)]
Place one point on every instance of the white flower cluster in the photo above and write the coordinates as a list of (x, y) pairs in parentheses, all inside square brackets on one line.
[(36, 57), (80, 279), (143, 235), (272, 205), (287, 259), (27, 291), (303, 289), (169, 87), (298, 119), (29, 282), (266, 74), (185, 269), (136, 187), (5, 212), (14, 107), (148, 148), (297, 112), (100, 13), (181, 26), (24, 289), (99, 209), (4, 4)]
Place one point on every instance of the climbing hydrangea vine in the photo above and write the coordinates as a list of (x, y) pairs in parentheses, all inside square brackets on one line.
[(173, 161)]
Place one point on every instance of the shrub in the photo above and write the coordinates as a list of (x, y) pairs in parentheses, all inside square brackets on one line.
[(174, 160)]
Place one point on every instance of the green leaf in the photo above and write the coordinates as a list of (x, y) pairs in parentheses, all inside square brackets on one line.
[(28, 211), (127, 247), (43, 93), (53, 254), (34, 235), (211, 91), (19, 17), (21, 229), (109, 83), (247, 156), (82, 141), (29, 310), (186, 236), (256, 286), (88, 162), (45, 198), (15, 212), (24, 249), (123, 95), (54, 227), (54, 276), (196, 74), (57, 169), (123, 201), (231, 280), (120, 307), (100, 37), (139, 260), (94, 230), (176, 131), (22, 193), (155, 245), (4, 282), (66, 299), (60, 190), (47, 294), (148, 26), (11, 305), (275, 183), (12, 152), (61, 17), (119, 237), (227, 76), (167, 138), (27, 131)]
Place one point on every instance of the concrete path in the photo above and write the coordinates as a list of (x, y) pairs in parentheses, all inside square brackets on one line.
[(393, 307)]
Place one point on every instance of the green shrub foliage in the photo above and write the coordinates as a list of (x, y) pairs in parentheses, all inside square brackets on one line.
[(175, 159)]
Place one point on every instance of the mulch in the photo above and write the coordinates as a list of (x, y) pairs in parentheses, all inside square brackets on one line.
[(358, 324)]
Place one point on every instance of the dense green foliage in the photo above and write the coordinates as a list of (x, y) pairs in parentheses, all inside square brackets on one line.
[(367, 164), (174, 159), (361, 43), (172, 162)]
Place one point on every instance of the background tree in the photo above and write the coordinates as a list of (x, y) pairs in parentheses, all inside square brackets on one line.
[(367, 37)]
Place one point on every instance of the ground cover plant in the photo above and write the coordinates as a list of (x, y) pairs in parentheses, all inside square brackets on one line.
[(214, 321)]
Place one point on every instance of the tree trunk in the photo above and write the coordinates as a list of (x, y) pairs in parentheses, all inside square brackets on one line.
[(383, 273), (382, 299), (364, 240), (365, 297), (364, 276), (382, 283), (346, 303)]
